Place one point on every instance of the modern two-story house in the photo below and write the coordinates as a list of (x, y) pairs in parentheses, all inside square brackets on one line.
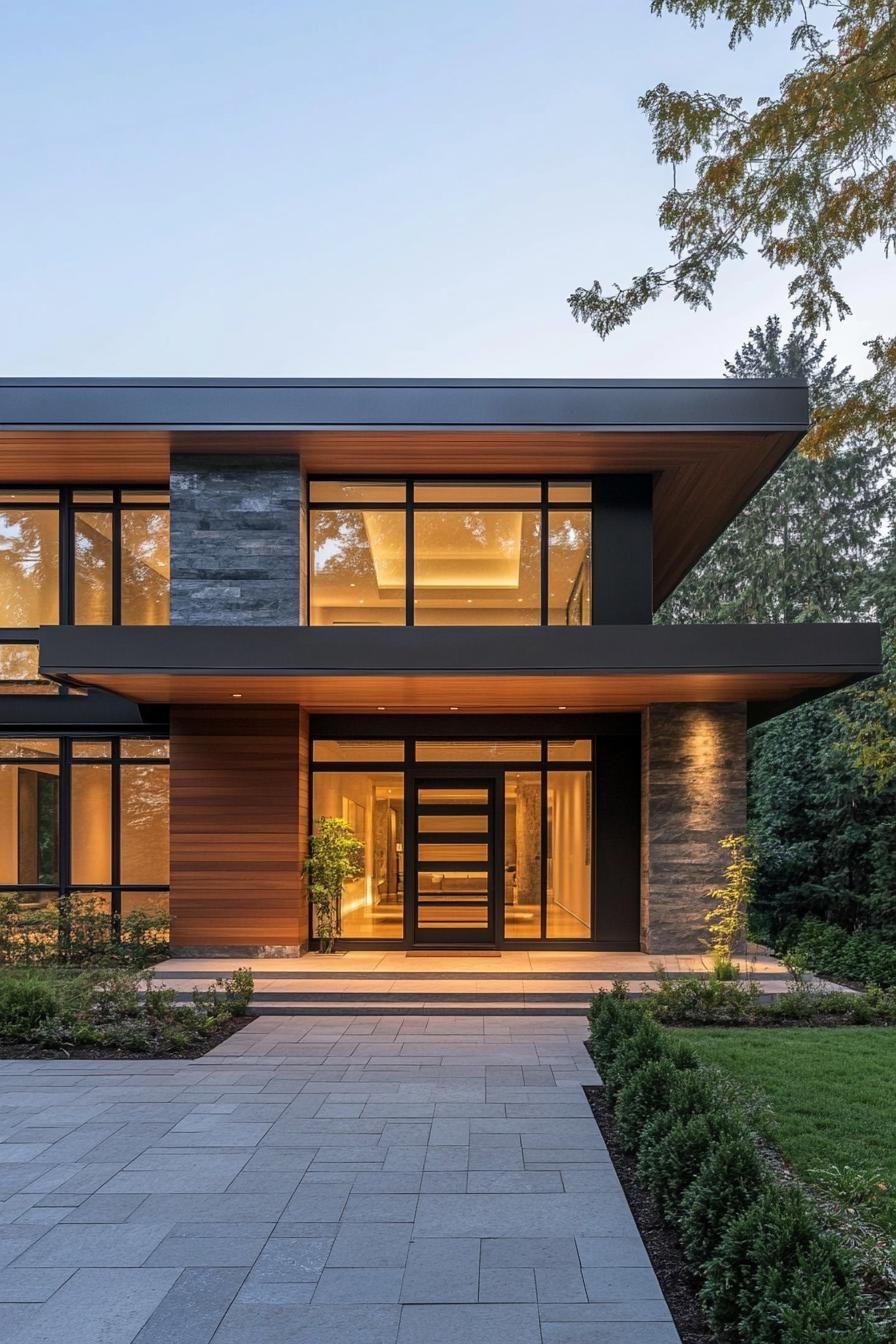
[(424, 607)]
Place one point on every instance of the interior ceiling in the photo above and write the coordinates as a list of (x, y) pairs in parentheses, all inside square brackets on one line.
[(437, 694), (703, 478)]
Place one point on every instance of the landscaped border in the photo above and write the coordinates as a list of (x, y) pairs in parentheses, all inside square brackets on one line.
[(770, 1271)]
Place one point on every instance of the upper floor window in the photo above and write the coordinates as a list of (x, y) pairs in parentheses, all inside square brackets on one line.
[(83, 557), (450, 552)]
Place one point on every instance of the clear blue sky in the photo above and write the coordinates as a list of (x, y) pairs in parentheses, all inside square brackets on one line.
[(292, 188)]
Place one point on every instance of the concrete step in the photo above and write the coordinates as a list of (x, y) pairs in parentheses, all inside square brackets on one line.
[(261, 973), (422, 1007), (344, 998)]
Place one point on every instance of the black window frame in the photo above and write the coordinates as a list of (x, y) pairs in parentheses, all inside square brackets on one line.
[(67, 507), (66, 761), (543, 506), (411, 769)]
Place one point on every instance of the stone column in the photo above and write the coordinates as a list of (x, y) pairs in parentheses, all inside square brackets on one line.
[(235, 539), (693, 792)]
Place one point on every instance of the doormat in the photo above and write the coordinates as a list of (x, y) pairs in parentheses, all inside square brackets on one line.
[(451, 952)]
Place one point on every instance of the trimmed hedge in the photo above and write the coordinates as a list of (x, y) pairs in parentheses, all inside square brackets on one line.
[(829, 949), (771, 1272)]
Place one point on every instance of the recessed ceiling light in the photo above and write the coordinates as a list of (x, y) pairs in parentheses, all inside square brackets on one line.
[(381, 706), (237, 695), (453, 707), (561, 706)]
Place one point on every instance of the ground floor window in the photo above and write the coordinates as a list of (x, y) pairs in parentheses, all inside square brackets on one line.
[(85, 815), (464, 840)]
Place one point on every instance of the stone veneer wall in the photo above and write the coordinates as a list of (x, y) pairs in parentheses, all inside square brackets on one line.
[(693, 792), (235, 540)]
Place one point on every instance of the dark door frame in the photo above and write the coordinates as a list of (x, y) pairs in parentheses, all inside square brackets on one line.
[(616, 813), (469, 775)]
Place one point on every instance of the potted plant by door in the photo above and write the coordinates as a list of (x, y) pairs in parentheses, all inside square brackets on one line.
[(336, 856)]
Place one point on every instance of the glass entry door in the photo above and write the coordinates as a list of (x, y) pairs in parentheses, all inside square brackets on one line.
[(454, 860)]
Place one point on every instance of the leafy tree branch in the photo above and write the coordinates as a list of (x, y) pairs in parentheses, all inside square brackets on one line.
[(807, 178)]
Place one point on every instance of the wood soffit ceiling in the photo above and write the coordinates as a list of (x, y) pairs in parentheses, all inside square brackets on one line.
[(470, 694), (702, 477)]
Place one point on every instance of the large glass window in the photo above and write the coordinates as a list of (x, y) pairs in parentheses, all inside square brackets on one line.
[(371, 802), (569, 854), (29, 558), (455, 553), (541, 837), (569, 567), (477, 566), (358, 567), (86, 815), (29, 814), (522, 854), (114, 543), (144, 823)]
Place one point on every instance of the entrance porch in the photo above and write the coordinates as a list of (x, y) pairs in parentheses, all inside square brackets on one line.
[(463, 984)]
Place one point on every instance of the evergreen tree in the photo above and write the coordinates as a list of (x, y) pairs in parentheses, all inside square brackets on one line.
[(803, 549), (816, 543)]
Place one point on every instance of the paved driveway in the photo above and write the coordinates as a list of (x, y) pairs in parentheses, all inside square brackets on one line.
[(321, 1180)]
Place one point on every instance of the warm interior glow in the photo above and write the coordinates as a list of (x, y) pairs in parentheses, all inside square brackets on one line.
[(569, 854), (373, 805), (454, 844), (471, 565), (29, 567), (92, 824), (472, 551)]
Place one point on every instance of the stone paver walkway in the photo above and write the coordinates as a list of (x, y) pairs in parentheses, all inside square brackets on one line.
[(321, 1181)]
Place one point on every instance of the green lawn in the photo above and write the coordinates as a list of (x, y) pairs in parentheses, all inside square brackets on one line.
[(832, 1093)]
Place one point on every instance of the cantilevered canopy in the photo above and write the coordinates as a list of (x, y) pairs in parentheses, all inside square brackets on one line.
[(710, 444), (436, 670)]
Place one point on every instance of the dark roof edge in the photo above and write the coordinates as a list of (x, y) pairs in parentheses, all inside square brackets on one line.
[(597, 383), (844, 650)]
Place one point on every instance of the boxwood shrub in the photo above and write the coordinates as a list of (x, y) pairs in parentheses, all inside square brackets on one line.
[(771, 1271)]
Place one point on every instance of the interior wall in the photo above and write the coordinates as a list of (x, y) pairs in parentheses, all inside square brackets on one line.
[(570, 827), (9, 814), (92, 824), (236, 845)]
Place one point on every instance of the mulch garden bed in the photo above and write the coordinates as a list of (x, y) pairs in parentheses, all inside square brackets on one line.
[(675, 1278), (28, 1050)]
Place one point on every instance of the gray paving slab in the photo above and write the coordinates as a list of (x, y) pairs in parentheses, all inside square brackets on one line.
[(442, 1269), (292, 1260), (227, 1252), (108, 1305), (95, 1245), (276, 1323), (31, 1285), (348, 1286), (371, 1245), (331, 1180), (507, 1285), (520, 1215), (484, 1323), (613, 1332), (191, 1311), (621, 1284)]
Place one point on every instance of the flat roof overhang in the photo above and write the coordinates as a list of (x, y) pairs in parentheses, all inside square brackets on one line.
[(617, 668), (710, 443)]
